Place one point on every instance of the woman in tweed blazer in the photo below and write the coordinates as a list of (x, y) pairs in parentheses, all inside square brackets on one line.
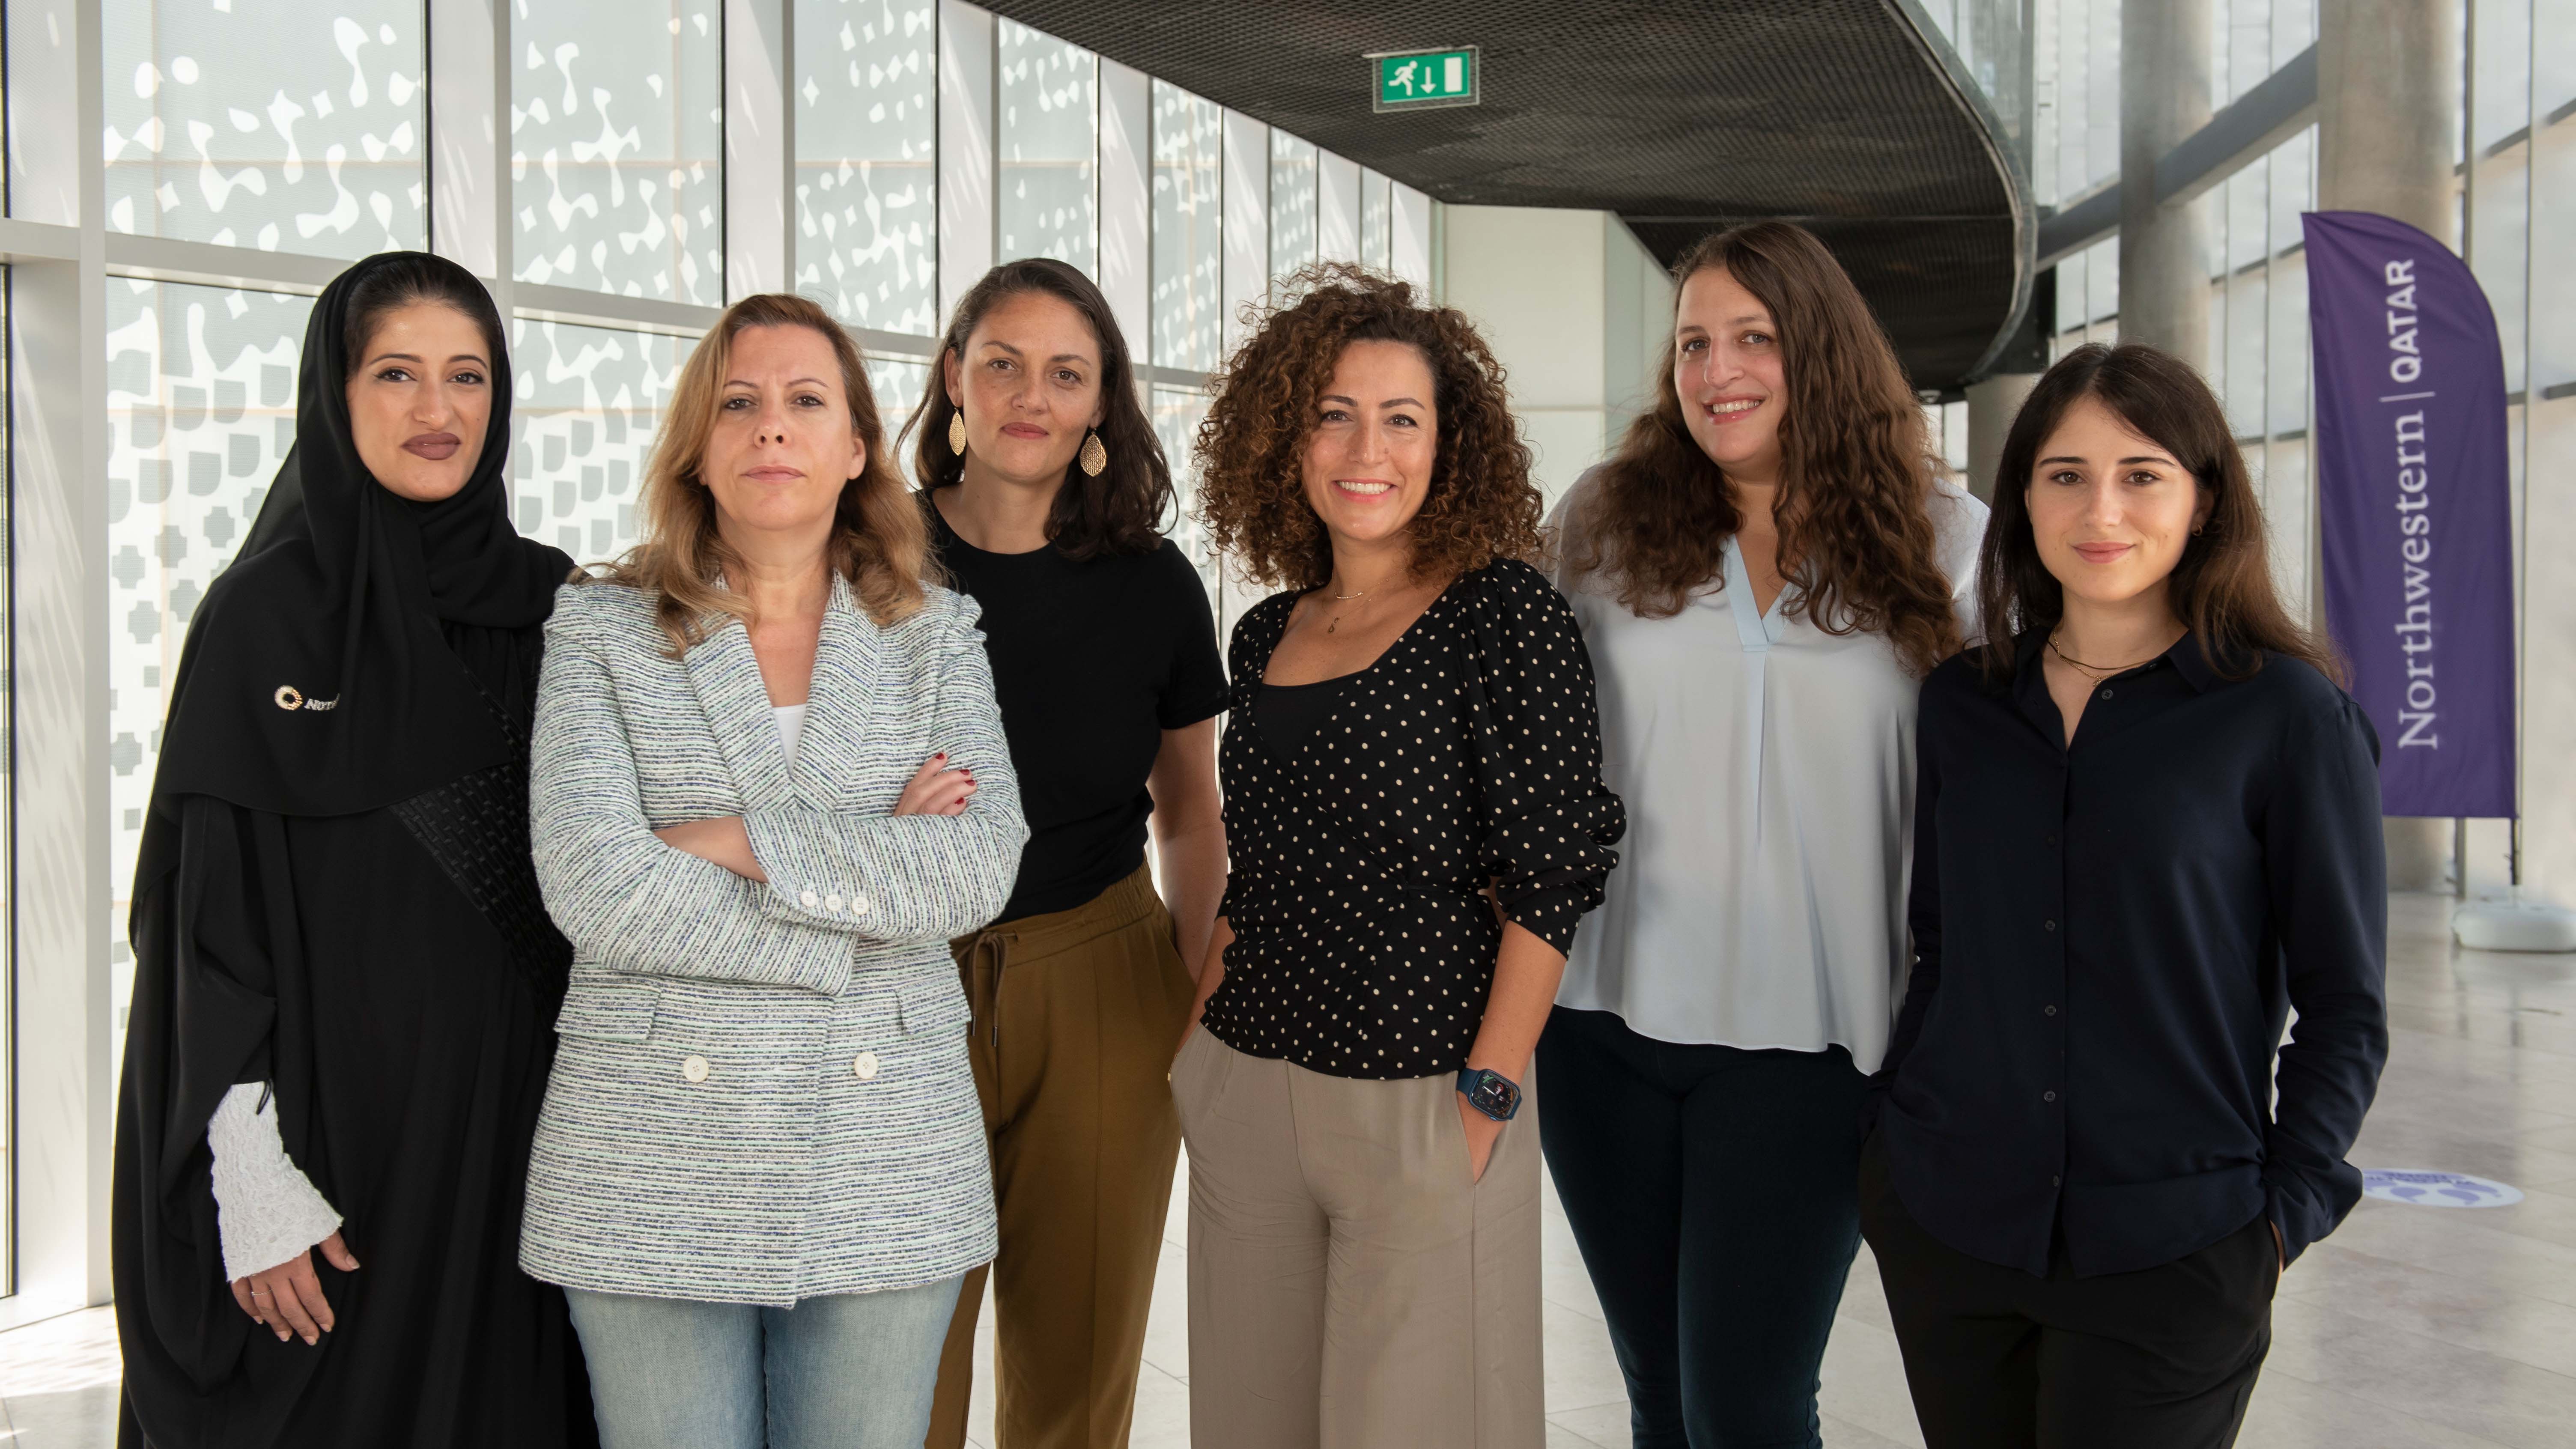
[(769, 783)]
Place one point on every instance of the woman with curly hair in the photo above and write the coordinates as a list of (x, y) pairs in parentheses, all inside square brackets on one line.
[(1764, 571), (1414, 806)]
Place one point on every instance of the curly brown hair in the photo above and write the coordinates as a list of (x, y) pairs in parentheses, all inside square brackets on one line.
[(1856, 470), (1252, 494)]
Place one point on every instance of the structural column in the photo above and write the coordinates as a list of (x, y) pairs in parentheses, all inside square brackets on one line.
[(63, 1017), (2388, 110), (2388, 123), (2164, 248), (1992, 406)]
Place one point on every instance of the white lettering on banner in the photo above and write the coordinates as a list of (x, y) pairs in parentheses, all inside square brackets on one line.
[(2406, 361), (2416, 721)]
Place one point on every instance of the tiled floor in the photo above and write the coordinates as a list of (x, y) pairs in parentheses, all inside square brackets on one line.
[(2411, 1326)]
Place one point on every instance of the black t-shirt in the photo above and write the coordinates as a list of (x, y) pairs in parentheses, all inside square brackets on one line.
[(1091, 663)]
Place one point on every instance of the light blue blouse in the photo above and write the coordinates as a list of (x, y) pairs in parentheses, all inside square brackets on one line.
[(1768, 769)]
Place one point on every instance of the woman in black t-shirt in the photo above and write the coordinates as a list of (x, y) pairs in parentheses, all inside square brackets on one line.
[(1413, 798), (1046, 490)]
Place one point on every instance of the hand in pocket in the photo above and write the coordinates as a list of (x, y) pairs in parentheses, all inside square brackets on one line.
[(1482, 1133)]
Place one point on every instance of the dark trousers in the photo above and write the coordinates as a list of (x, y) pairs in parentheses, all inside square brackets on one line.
[(1712, 1191), (2162, 1358)]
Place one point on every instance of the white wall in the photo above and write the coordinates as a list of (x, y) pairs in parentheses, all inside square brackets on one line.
[(1576, 310)]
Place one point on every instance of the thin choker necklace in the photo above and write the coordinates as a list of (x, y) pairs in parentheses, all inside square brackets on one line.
[(2098, 670)]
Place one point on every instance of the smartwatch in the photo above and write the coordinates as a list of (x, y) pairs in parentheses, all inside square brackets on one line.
[(1490, 1092)]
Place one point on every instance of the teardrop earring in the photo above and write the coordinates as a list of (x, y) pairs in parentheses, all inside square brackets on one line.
[(957, 432), (1094, 456)]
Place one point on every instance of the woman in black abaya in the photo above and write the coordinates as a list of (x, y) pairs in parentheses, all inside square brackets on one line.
[(345, 981)]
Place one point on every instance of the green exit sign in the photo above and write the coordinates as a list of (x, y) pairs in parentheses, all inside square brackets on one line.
[(1421, 80)]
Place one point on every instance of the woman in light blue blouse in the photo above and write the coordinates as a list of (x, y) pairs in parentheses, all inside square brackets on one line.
[(1763, 572)]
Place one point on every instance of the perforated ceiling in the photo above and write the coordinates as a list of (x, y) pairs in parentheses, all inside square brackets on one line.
[(1680, 117)]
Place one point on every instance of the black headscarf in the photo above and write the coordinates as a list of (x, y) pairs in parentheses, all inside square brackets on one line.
[(318, 677)]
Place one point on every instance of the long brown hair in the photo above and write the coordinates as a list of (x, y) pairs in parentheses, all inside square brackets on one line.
[(1122, 510), (880, 542), (2221, 587), (1481, 505), (1856, 473)]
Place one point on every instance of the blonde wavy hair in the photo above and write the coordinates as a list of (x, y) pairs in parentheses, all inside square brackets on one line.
[(880, 542)]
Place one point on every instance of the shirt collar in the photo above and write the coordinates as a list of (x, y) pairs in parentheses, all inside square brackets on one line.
[(2190, 657)]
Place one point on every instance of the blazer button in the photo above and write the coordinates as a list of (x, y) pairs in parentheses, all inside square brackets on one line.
[(865, 1066), (694, 1068), (858, 905), (809, 900), (832, 903)]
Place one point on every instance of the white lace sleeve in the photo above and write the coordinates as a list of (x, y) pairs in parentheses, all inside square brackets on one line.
[(267, 1210)]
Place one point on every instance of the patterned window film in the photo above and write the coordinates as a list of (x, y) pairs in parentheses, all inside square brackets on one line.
[(899, 386), (1377, 222), (1048, 132), (1189, 251), (1177, 415), (617, 146), (588, 401), (201, 411), (1292, 208), (867, 129), (267, 123)]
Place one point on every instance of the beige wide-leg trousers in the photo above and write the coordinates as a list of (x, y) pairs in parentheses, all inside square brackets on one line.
[(1350, 1286)]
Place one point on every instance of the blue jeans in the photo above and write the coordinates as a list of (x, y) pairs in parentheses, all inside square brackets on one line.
[(846, 1371)]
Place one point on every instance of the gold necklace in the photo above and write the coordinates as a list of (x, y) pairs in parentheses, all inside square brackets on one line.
[(1337, 616), (2098, 671)]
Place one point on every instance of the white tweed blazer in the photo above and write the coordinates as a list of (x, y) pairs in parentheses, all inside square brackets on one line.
[(762, 1091)]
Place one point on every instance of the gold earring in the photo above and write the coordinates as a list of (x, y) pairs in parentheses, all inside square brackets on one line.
[(957, 432), (1094, 456)]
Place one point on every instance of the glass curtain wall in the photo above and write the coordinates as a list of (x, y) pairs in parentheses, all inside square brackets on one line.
[(587, 401), (1377, 222), (2075, 98), (1047, 95), (201, 411), (1292, 208), (866, 94), (1989, 37), (284, 133), (1177, 413), (1189, 249), (2517, 180), (210, 138), (617, 146), (900, 387)]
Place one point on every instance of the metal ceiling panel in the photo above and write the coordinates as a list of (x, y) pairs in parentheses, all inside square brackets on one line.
[(1682, 118)]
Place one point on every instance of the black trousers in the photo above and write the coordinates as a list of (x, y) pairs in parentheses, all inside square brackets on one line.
[(1713, 1192), (2162, 1358)]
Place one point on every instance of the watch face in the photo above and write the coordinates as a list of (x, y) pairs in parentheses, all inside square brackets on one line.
[(1496, 1098)]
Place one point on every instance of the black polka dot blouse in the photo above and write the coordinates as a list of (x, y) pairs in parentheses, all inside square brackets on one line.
[(1469, 754)]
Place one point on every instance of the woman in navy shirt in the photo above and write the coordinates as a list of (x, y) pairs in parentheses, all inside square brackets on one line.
[(2146, 830)]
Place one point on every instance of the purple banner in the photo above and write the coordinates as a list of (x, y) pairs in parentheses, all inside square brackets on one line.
[(2412, 484)]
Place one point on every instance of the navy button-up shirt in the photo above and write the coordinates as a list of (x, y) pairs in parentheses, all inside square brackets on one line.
[(2108, 936)]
